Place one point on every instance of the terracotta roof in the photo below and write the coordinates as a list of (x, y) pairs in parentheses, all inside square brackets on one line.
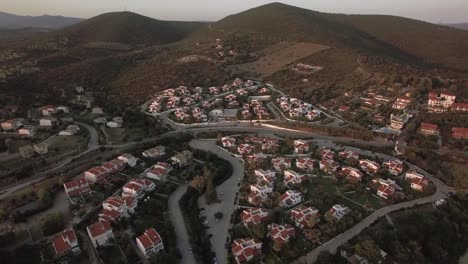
[(99, 228), (62, 242)]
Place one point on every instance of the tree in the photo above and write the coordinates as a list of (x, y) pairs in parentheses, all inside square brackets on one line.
[(369, 250), (312, 235), (45, 196), (259, 231), (52, 223), (218, 215)]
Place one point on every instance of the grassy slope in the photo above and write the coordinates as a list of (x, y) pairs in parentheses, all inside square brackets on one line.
[(407, 40), (128, 28), (436, 44)]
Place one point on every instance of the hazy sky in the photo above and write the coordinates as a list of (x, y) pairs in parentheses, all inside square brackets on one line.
[(210, 10)]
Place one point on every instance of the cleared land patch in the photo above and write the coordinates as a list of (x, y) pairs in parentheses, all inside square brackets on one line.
[(277, 57)]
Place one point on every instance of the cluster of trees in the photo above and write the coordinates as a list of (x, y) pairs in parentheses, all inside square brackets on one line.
[(53, 223), (198, 238), (438, 236)]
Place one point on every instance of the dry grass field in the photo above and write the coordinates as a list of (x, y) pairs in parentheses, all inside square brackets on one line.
[(276, 58)]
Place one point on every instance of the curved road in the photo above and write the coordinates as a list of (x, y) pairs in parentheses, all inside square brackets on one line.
[(183, 239), (220, 229)]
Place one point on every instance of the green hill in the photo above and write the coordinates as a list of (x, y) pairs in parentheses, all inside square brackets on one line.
[(396, 37), (126, 28)]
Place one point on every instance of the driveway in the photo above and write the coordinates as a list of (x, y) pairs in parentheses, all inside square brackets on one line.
[(183, 239), (227, 207)]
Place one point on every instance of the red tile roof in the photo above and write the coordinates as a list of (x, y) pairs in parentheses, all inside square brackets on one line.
[(62, 242), (99, 228)]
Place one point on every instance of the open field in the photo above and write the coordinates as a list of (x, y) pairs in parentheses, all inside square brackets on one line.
[(64, 144), (277, 57)]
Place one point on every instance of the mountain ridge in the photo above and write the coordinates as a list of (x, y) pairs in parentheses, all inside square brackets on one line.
[(126, 27), (12, 21)]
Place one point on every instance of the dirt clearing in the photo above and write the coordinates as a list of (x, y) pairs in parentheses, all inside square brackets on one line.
[(277, 57)]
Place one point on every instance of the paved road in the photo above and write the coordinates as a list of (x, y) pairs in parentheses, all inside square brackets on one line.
[(92, 252), (93, 135), (227, 207), (341, 239), (242, 127), (183, 240)]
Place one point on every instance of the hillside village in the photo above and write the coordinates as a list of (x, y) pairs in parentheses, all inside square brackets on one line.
[(184, 142), (316, 190)]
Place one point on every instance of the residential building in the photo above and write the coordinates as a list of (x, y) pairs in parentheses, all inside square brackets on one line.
[(306, 164), (444, 100), (300, 146), (228, 142), (397, 122), (41, 148), (326, 153), (418, 181), (401, 103), (182, 159), (348, 155), (369, 166), (150, 242), (429, 129), (246, 249), (78, 187), (460, 133), (394, 167), (155, 152), (292, 178), (29, 131), (95, 174), (10, 125), (70, 130), (265, 174), (281, 163), (136, 188), (124, 205), (385, 191), (66, 243), (47, 122), (245, 149), (460, 107), (100, 233), (159, 171), (337, 212), (256, 158), (254, 216), (281, 234), (290, 198), (304, 216), (27, 151), (386, 188), (129, 159), (328, 166), (351, 174)]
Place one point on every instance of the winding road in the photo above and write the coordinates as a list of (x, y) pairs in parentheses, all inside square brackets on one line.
[(230, 187), (183, 239)]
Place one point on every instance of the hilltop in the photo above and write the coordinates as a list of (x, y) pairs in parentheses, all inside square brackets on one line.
[(127, 28), (400, 38)]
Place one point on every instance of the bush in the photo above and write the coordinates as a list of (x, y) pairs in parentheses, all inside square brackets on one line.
[(52, 223)]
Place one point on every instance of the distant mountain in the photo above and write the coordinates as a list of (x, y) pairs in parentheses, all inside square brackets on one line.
[(10, 21), (127, 28), (9, 35), (459, 25), (395, 37)]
